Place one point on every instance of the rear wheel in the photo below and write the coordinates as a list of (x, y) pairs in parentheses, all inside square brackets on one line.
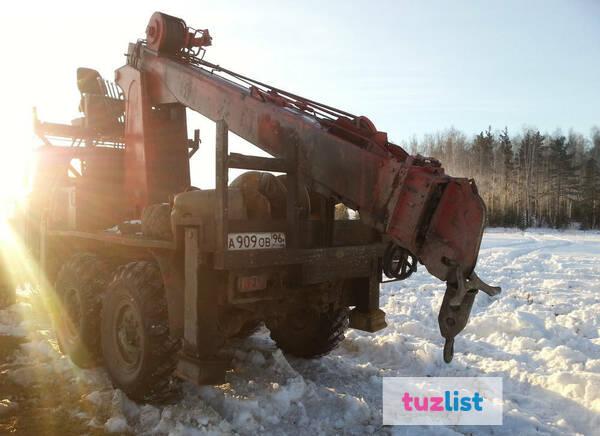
[(310, 333), (138, 352), (79, 287)]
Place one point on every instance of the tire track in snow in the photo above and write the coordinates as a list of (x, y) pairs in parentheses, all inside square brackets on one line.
[(518, 254)]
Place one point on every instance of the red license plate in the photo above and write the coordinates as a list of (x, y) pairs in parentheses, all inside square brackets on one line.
[(252, 283)]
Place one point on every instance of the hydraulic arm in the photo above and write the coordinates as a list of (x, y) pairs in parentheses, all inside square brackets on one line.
[(426, 214)]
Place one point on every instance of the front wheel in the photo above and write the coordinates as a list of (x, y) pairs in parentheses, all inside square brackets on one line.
[(76, 317), (310, 333), (139, 354)]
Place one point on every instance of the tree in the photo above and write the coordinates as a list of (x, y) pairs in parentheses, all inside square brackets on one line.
[(530, 150), (485, 174), (561, 183), (527, 180), (591, 194), (506, 157)]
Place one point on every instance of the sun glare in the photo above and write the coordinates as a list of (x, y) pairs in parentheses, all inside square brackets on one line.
[(16, 155)]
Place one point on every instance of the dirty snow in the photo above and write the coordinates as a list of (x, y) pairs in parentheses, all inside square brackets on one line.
[(541, 335)]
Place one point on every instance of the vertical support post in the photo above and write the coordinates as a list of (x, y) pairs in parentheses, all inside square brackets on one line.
[(293, 187), (191, 306), (367, 315), (374, 286), (222, 183), (327, 221), (198, 362)]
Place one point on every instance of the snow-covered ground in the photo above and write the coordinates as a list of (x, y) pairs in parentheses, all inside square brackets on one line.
[(541, 335)]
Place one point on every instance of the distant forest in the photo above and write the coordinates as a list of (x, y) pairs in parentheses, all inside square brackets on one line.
[(528, 180)]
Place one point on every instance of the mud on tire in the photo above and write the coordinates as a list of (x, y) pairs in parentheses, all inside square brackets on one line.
[(139, 354), (156, 221), (76, 316), (308, 333)]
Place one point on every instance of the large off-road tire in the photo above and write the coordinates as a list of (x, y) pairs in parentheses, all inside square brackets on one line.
[(156, 221), (139, 354), (79, 287), (308, 333)]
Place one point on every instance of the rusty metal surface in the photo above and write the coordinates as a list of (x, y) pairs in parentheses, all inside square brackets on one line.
[(436, 217), (260, 258), (128, 240), (46, 129), (398, 197), (156, 155), (328, 154)]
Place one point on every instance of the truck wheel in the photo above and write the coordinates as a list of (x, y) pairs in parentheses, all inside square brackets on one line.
[(79, 287), (139, 354), (309, 333), (156, 221)]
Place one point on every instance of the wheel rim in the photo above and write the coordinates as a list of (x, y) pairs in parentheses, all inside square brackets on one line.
[(129, 335)]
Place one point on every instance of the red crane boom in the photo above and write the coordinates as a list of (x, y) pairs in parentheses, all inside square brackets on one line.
[(436, 218)]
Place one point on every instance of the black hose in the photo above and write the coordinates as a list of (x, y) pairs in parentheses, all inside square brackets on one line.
[(398, 262)]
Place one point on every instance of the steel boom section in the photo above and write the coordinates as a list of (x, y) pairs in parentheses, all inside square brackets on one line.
[(438, 218)]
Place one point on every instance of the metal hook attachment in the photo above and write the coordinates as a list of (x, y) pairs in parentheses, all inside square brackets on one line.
[(471, 283), (448, 350), (453, 319)]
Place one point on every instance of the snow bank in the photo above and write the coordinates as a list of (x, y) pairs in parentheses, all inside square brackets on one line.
[(541, 335)]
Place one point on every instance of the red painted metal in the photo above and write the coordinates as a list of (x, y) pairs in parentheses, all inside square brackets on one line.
[(156, 152), (168, 34), (437, 217), (138, 157)]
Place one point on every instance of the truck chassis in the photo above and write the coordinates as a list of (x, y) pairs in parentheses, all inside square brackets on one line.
[(162, 294)]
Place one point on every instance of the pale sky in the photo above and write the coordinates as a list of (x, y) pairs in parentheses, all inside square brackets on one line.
[(413, 67)]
